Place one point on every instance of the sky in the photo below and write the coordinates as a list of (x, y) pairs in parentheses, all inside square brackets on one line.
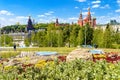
[(45, 11)]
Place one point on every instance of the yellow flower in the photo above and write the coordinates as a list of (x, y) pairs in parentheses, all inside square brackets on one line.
[(40, 64), (41, 61), (7, 68), (26, 58), (0, 65)]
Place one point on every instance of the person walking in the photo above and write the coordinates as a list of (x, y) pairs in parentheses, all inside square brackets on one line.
[(14, 46)]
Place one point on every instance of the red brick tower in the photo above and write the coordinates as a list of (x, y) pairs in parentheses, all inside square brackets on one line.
[(80, 21), (94, 22), (89, 16)]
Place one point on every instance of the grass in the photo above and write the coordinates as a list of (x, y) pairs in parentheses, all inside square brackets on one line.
[(112, 50), (8, 54), (61, 50)]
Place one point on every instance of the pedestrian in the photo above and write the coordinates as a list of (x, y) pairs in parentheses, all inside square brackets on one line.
[(14, 47)]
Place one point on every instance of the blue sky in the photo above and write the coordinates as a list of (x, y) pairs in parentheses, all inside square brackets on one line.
[(13, 11)]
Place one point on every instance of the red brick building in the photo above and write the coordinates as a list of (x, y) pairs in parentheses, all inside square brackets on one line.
[(88, 19)]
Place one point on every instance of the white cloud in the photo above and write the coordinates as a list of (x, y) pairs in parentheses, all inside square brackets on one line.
[(4, 12), (85, 8), (46, 14), (81, 0), (106, 19), (73, 18), (105, 6), (76, 7), (118, 10), (22, 17), (5, 20), (41, 15), (49, 13), (2, 19), (96, 2), (118, 1), (96, 6)]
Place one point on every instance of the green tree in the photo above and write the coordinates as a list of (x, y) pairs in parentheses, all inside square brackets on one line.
[(34, 38), (88, 34), (66, 34), (6, 40), (59, 38), (107, 43), (80, 38), (41, 38), (26, 41), (117, 37), (49, 36), (98, 37), (74, 35)]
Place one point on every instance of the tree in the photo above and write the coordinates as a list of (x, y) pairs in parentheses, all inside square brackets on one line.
[(66, 34), (73, 36), (117, 37), (60, 38), (98, 37), (26, 41), (34, 38), (49, 36), (107, 43), (6, 40), (88, 34), (80, 38), (41, 38)]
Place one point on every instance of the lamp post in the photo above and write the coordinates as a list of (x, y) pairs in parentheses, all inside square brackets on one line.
[(85, 36), (0, 35), (4, 39)]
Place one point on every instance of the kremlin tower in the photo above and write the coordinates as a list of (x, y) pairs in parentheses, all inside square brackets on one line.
[(57, 22), (30, 24), (88, 19)]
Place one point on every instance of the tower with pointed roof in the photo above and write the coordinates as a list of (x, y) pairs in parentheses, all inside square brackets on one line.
[(80, 21), (57, 22), (30, 25), (89, 17)]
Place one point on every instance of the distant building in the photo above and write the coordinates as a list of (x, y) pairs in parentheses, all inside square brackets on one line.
[(60, 24), (91, 21), (113, 24)]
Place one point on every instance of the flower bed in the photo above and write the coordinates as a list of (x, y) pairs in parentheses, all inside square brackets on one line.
[(74, 70)]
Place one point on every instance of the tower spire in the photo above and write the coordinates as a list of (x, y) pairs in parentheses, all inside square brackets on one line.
[(30, 24), (89, 11), (57, 22), (80, 15), (80, 21)]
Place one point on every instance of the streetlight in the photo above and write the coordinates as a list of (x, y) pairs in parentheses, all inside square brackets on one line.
[(4, 38), (0, 35), (85, 36)]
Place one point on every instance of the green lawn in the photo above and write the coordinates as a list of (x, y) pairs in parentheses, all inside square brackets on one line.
[(61, 50)]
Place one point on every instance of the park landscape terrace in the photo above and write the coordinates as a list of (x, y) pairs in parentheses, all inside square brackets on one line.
[(59, 40)]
